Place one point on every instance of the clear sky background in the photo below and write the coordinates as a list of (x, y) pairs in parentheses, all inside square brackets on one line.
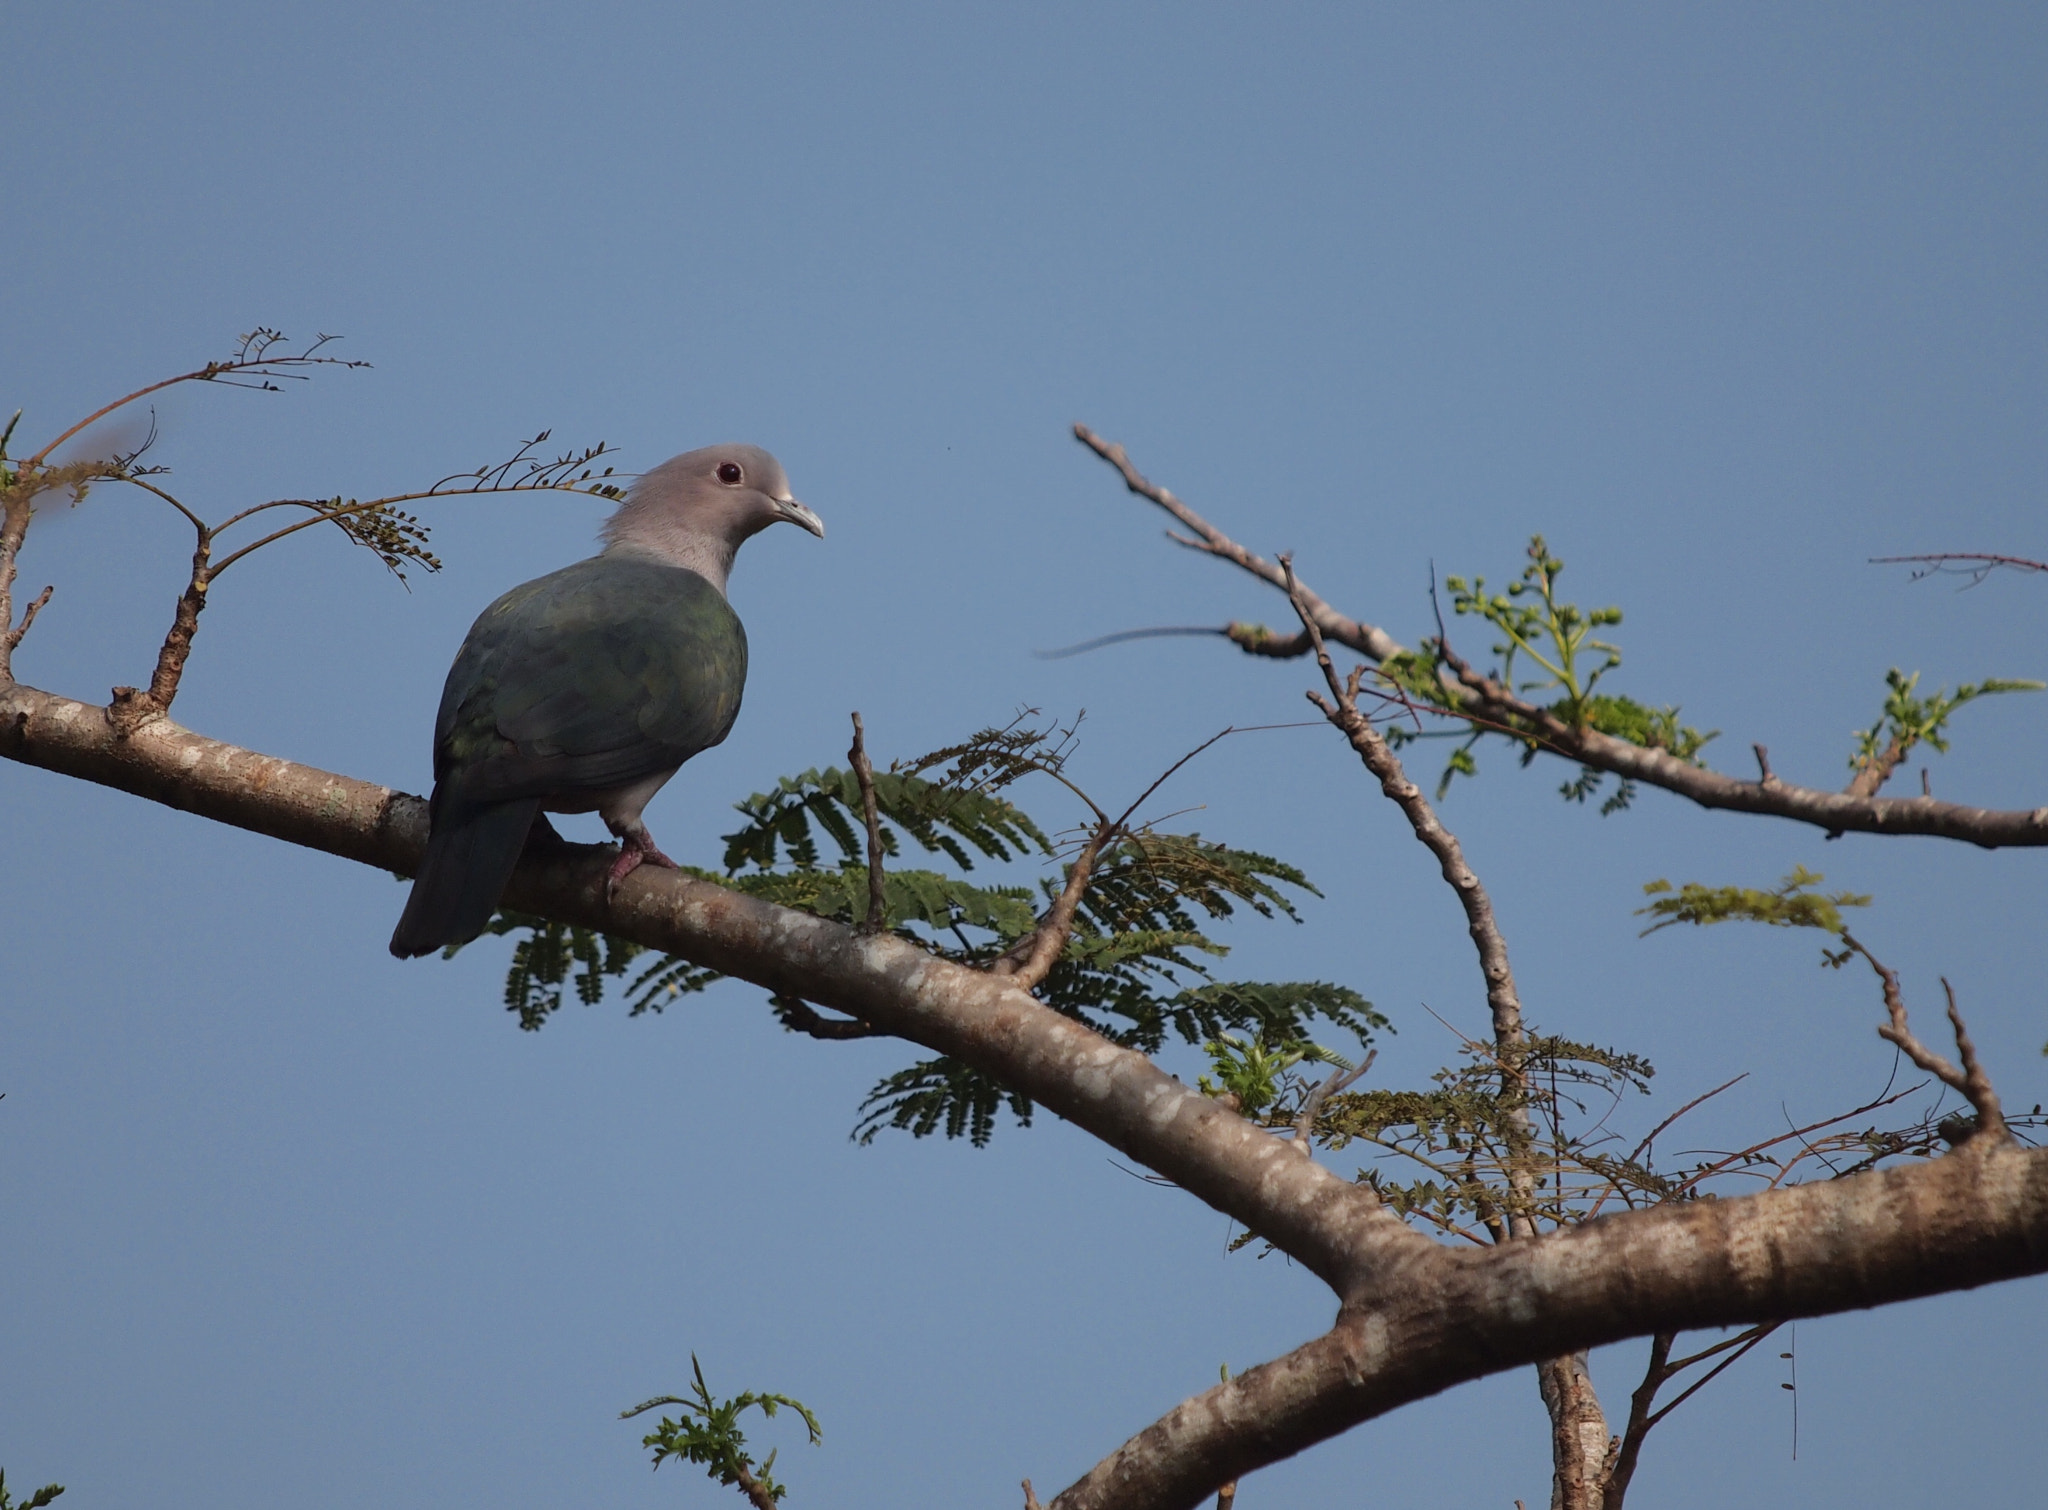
[(1725, 300)]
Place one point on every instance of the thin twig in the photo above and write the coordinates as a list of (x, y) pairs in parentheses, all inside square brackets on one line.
[(28, 617), (1501, 996), (1304, 1125), (1970, 1081), (1972, 564), (1126, 634), (864, 773), (1031, 958)]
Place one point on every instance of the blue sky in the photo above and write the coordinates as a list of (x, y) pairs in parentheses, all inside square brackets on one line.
[(1723, 300)]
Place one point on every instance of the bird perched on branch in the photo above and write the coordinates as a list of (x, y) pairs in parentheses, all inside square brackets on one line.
[(585, 690)]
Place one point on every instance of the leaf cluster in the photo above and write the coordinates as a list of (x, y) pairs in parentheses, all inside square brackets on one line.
[(1908, 720), (1535, 624), (1135, 970), (1559, 644), (1136, 966), (35, 1501), (706, 1432), (1794, 903), (1449, 1148)]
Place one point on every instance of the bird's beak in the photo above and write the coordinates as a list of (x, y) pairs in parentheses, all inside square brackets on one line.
[(797, 514)]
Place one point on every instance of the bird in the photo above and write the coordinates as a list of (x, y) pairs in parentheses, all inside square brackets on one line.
[(587, 689)]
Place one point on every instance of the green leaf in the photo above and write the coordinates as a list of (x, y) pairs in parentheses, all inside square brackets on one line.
[(1795, 904)]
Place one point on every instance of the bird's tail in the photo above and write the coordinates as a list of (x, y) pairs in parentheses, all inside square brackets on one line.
[(469, 859)]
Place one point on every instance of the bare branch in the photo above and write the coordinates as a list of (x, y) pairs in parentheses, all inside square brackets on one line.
[(1027, 962), (1212, 541), (864, 773), (1972, 564), (1501, 996), (13, 637), (1970, 1081), (1474, 698), (1311, 1108)]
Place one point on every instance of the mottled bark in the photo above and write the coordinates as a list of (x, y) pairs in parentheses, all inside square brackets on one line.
[(1449, 1315), (1578, 1433), (1331, 1226)]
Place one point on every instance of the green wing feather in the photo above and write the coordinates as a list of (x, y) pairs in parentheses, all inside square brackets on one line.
[(596, 676)]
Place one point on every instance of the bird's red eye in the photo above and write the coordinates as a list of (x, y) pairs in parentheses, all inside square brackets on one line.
[(729, 473)]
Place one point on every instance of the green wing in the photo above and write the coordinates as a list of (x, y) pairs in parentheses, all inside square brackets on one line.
[(599, 675)]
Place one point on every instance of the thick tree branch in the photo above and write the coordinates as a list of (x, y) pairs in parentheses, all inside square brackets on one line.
[(1475, 697), (1448, 1315), (1330, 1226)]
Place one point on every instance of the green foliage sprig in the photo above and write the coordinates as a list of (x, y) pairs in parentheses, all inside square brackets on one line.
[(1793, 904), (1560, 641), (1254, 1072), (1536, 624), (707, 1432), (1908, 720), (35, 1501)]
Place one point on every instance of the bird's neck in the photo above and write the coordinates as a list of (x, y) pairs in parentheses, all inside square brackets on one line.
[(707, 554)]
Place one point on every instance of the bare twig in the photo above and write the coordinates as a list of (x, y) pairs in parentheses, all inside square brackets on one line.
[(1214, 542), (864, 773), (1972, 564), (252, 359), (1971, 1081), (1304, 1124), (20, 631), (1028, 961), (1128, 634), (1501, 996)]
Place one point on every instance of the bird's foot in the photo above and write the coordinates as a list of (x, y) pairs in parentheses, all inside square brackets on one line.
[(635, 850)]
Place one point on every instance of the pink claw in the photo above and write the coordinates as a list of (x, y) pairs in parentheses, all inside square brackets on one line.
[(635, 850)]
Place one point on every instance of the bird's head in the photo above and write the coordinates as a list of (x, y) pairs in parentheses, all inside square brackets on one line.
[(697, 509)]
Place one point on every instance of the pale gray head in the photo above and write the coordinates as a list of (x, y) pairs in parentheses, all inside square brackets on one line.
[(696, 509)]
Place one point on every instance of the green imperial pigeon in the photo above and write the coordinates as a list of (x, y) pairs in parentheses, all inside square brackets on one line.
[(586, 690)]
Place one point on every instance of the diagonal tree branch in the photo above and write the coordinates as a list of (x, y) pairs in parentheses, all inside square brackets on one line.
[(1325, 1223), (1449, 1315), (1472, 696)]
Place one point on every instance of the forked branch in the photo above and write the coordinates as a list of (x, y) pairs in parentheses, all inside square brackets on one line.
[(1971, 1081)]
